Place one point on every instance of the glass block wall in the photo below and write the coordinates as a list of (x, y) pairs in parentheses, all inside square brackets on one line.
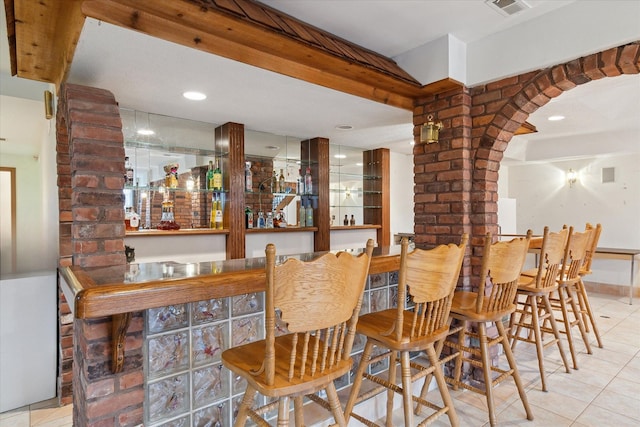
[(186, 384)]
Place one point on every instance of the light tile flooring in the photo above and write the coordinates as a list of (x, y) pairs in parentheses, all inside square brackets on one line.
[(604, 391)]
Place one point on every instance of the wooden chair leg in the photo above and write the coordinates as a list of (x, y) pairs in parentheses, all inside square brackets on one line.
[(393, 357), (298, 410), (283, 412), (512, 365), (535, 324), (245, 404), (572, 292), (428, 378), (584, 298), (434, 360), (563, 295), (457, 372), (556, 332), (357, 381), (486, 371), (334, 404), (407, 395)]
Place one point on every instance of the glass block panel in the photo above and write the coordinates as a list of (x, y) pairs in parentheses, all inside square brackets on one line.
[(247, 303), (210, 310), (247, 329), (365, 308), (380, 366), (236, 405), (168, 353), (379, 300), (379, 280), (393, 296), (281, 326), (167, 318), (213, 416), (359, 341), (168, 397), (208, 342), (393, 277), (238, 385), (210, 384), (180, 422)]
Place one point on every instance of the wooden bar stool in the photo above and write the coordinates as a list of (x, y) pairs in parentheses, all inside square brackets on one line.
[(533, 304), (429, 277), (319, 302), (583, 300), (565, 297), (494, 300)]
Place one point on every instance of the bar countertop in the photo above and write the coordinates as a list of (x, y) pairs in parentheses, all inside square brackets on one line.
[(103, 291)]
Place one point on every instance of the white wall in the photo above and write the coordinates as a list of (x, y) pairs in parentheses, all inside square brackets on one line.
[(401, 176), (544, 198)]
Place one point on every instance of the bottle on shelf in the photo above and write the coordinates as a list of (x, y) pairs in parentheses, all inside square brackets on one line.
[(218, 214), (217, 177), (261, 222), (131, 220), (269, 220), (300, 183), (128, 172), (352, 221), (274, 182), (346, 220), (309, 217), (302, 215), (308, 182), (281, 183), (248, 215), (210, 176), (212, 214), (168, 222), (248, 178)]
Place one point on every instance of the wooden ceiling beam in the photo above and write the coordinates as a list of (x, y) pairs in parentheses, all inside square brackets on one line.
[(45, 34), (220, 32)]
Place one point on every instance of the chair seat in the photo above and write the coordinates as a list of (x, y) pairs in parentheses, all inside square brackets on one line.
[(463, 307), (249, 358), (376, 325), (532, 272), (527, 284)]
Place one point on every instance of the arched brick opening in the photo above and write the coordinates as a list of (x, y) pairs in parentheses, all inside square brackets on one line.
[(456, 180), (535, 90)]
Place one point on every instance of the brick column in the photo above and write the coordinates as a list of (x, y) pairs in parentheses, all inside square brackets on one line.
[(442, 187), (91, 179)]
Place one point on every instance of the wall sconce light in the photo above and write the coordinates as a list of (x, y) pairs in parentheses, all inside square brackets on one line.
[(572, 177), (48, 104), (430, 131)]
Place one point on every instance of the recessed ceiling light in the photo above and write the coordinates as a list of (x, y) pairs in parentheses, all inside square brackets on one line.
[(344, 127), (194, 96), (340, 156), (145, 132), (555, 118)]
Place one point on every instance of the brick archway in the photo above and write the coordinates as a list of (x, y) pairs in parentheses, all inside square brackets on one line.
[(456, 180), (530, 92)]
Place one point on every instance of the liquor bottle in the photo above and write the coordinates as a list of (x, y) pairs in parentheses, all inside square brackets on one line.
[(212, 215), (248, 178), (261, 223), (281, 183), (308, 182), (131, 219), (248, 215), (128, 176), (210, 176), (353, 220), (217, 177), (300, 183), (302, 214), (269, 220), (274, 182), (345, 221), (218, 214), (309, 219)]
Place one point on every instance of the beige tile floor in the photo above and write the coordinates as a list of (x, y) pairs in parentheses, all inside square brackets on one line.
[(604, 391)]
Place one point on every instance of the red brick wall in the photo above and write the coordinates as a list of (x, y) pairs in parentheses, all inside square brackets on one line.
[(456, 180), (90, 179)]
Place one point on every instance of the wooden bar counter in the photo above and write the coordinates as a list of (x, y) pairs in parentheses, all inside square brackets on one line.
[(104, 291)]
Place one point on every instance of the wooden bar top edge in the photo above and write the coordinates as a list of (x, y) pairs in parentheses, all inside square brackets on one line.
[(92, 300)]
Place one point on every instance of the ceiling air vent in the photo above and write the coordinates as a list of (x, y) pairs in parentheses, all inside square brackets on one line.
[(508, 7)]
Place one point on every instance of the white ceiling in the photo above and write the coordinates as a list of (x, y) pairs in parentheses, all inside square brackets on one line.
[(149, 74)]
